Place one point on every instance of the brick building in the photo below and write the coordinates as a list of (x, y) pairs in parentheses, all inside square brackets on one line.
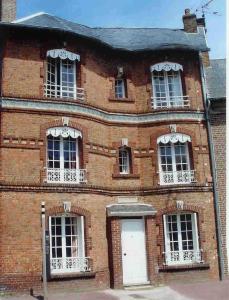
[(216, 92), (107, 127)]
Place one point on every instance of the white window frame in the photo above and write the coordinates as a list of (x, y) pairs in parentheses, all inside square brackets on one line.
[(61, 139), (53, 89), (175, 176), (179, 101), (125, 167), (121, 95), (64, 264), (182, 256), (173, 155)]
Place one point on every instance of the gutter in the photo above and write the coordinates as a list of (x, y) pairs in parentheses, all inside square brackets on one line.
[(213, 169)]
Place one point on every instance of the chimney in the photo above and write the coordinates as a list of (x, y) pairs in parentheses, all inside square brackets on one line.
[(190, 21), (7, 10)]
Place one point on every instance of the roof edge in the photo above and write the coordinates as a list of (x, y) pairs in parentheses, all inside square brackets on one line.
[(30, 17)]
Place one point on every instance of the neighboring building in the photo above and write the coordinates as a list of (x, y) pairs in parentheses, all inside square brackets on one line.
[(216, 90), (107, 126)]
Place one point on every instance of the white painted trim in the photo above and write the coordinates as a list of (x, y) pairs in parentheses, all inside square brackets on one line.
[(166, 66), (64, 132), (173, 138), (30, 17), (63, 54)]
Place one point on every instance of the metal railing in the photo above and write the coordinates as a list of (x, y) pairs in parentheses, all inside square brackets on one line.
[(71, 176), (70, 264), (177, 177), (63, 91), (183, 257), (170, 102)]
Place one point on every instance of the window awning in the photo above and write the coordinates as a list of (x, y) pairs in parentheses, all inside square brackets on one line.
[(130, 210), (173, 138), (63, 54), (64, 132), (166, 66)]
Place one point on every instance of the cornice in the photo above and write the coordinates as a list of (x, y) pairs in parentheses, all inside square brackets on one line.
[(90, 189), (99, 114)]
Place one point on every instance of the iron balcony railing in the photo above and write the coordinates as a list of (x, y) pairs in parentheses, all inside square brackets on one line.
[(177, 177), (63, 91), (170, 102), (71, 176), (70, 265), (183, 257)]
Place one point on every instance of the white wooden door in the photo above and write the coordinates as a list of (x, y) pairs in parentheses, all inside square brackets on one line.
[(133, 252)]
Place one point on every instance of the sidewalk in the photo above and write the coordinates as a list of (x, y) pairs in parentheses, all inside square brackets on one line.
[(211, 290)]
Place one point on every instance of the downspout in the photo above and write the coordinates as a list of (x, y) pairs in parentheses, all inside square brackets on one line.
[(213, 169)]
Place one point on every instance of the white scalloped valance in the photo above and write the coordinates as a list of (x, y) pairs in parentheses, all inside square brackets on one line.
[(166, 66), (63, 54), (64, 132), (174, 138)]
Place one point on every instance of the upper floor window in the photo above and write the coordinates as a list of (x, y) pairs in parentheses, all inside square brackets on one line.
[(181, 239), (63, 159), (120, 88), (67, 244), (61, 81), (174, 159), (167, 86), (124, 160)]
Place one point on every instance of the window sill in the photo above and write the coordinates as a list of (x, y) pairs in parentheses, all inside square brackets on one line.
[(125, 176), (120, 100), (72, 275), (173, 268)]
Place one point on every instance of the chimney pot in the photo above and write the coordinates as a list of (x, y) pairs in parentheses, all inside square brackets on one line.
[(187, 11)]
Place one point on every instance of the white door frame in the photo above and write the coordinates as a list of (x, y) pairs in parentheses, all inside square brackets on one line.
[(144, 271)]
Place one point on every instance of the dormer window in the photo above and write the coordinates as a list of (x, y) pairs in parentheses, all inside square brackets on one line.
[(61, 75), (167, 86)]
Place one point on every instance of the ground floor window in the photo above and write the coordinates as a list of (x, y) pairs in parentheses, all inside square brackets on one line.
[(181, 239), (67, 250)]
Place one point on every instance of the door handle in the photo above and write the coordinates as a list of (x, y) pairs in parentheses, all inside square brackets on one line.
[(124, 254)]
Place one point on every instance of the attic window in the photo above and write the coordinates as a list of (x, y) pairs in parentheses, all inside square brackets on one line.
[(167, 86), (61, 75)]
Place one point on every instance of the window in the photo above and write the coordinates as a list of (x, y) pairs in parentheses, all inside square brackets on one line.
[(67, 253), (61, 81), (174, 159), (61, 78), (63, 165), (124, 160), (120, 88), (181, 239), (167, 86)]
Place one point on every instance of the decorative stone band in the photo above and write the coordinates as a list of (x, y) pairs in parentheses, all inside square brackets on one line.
[(128, 210), (63, 54), (64, 132), (166, 66), (174, 138), (100, 114)]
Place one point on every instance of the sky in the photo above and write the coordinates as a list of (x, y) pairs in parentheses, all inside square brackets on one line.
[(135, 13)]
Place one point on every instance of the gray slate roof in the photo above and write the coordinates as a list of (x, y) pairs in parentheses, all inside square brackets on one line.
[(216, 79), (137, 209), (130, 39)]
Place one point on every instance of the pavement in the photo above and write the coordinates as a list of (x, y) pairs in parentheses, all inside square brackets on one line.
[(211, 290)]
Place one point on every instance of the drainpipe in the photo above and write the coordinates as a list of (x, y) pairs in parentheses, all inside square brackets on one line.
[(213, 169)]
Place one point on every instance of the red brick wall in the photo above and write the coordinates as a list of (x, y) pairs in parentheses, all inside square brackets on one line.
[(23, 158), (24, 66), (218, 129)]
